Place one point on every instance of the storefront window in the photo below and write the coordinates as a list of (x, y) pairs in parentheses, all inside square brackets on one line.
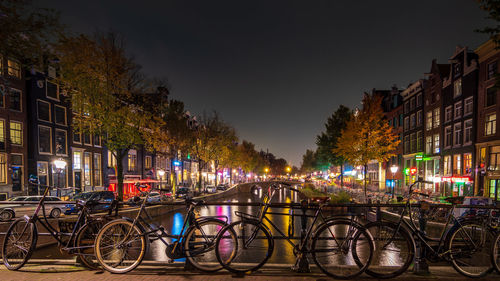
[(467, 163), (3, 168), (457, 164)]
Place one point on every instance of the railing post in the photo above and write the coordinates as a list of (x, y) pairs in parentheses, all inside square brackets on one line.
[(421, 267), (301, 263), (188, 266), (378, 213)]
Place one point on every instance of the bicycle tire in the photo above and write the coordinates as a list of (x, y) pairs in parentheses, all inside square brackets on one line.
[(344, 265), (240, 240), (199, 244), (389, 238), (495, 253), (11, 260), (84, 243), (477, 254), (114, 261)]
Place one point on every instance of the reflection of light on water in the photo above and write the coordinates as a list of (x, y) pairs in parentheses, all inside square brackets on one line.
[(177, 224)]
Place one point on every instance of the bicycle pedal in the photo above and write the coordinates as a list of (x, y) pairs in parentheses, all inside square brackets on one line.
[(170, 261)]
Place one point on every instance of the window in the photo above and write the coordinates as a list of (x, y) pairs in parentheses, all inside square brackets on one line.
[(394, 122), (447, 165), (61, 148), (428, 144), (436, 117), (16, 133), (447, 136), (97, 169), (458, 110), (2, 135), (467, 163), (490, 124), (111, 159), (457, 164), (419, 118), (60, 115), (457, 69), (1, 64), (436, 143), (412, 121), (77, 137), (494, 163), (428, 122), (97, 140), (407, 144), (44, 140), (412, 103), (457, 134), (87, 139), (448, 114), (43, 109), (420, 140), (14, 68), (468, 131), (407, 107), (148, 162), (52, 90), (468, 106), (457, 88), (15, 99), (407, 123), (491, 96), (3, 168), (87, 158), (3, 93), (77, 160), (492, 70), (419, 100), (400, 119), (132, 160), (413, 141)]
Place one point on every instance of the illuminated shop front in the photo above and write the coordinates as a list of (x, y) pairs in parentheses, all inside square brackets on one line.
[(458, 186)]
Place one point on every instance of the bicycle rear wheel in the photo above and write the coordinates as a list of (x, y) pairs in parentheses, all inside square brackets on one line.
[(199, 245), (495, 253), (244, 246), (470, 247), (19, 243), (394, 250), (120, 246), (84, 242), (333, 246)]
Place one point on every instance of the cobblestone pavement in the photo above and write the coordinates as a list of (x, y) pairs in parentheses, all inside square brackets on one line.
[(57, 270)]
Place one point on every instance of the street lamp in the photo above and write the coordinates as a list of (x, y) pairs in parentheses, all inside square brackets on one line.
[(394, 169), (161, 173), (60, 166)]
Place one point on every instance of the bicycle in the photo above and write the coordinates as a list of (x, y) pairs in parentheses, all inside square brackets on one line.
[(331, 243), (465, 242), (21, 237), (121, 244)]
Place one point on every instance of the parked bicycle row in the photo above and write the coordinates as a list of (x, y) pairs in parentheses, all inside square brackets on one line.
[(342, 246)]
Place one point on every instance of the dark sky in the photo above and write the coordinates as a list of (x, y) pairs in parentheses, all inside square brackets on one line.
[(276, 70)]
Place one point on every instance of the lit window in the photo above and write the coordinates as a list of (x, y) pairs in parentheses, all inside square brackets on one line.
[(494, 161), (61, 142), (97, 169), (457, 164), (447, 165), (428, 144), (3, 168), (457, 88), (148, 161), (16, 133), (490, 124), (467, 163), (132, 160), (77, 160), (436, 143), (436, 117), (14, 68), (111, 159), (428, 122), (2, 135)]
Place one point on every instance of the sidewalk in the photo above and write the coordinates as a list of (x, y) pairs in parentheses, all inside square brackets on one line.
[(64, 270)]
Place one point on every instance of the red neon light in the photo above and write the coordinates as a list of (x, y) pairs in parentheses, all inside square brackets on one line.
[(456, 179), (413, 171)]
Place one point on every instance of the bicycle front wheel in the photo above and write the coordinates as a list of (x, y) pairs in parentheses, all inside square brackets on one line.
[(394, 250), (244, 246), (84, 243), (120, 246), (495, 253), (19, 243), (470, 249), (199, 245), (333, 246)]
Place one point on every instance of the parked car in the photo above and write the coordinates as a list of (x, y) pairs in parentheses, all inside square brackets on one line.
[(182, 192), (211, 189), (103, 198), (7, 212), (154, 198), (222, 187)]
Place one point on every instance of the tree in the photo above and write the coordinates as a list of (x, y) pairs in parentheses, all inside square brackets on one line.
[(308, 162), (102, 82), (367, 136), (327, 140)]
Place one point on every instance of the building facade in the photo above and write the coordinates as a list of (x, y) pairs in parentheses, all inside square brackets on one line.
[(13, 124), (487, 157), (393, 111)]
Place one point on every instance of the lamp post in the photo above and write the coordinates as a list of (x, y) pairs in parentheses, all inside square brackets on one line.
[(161, 173), (394, 169), (60, 166), (266, 170), (288, 170)]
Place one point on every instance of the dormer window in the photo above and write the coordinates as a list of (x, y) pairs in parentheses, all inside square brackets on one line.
[(457, 69)]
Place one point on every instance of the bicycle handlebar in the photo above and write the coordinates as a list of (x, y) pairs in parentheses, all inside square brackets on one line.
[(289, 186)]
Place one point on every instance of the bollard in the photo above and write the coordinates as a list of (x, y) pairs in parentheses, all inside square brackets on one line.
[(301, 263), (421, 267)]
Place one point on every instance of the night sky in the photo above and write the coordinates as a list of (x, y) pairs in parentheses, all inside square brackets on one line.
[(276, 70)]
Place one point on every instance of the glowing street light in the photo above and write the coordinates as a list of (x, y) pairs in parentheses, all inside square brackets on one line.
[(288, 169), (60, 165), (394, 169)]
